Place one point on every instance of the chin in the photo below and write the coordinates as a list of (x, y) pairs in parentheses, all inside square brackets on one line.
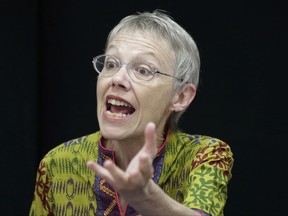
[(114, 133), (113, 136)]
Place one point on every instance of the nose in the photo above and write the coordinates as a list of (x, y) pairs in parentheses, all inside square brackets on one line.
[(121, 78)]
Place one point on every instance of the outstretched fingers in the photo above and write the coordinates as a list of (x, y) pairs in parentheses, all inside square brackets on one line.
[(146, 157), (138, 172), (109, 171), (99, 170), (150, 139)]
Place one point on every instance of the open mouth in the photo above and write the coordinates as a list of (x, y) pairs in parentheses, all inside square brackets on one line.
[(119, 109)]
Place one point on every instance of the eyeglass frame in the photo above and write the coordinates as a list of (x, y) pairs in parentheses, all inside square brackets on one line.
[(94, 61)]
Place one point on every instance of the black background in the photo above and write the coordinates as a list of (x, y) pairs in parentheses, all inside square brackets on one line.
[(48, 88)]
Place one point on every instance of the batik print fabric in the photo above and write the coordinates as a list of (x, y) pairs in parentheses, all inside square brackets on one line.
[(192, 169)]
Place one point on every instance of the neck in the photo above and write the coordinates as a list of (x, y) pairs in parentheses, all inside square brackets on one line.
[(125, 150)]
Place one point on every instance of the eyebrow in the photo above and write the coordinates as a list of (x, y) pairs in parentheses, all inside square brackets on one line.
[(149, 53), (139, 56)]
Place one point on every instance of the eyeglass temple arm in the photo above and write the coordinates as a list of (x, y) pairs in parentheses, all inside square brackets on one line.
[(181, 80)]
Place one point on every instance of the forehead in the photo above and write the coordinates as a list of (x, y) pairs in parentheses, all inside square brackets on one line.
[(142, 43)]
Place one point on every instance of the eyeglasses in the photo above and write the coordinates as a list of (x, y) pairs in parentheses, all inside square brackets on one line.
[(140, 71)]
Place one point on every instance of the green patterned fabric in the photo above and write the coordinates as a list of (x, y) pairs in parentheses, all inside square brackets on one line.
[(195, 171)]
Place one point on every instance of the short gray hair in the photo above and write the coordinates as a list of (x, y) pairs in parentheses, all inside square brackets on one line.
[(186, 52)]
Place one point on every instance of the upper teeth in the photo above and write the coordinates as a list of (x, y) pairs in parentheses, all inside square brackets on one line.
[(118, 103)]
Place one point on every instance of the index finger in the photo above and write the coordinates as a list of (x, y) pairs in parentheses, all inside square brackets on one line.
[(150, 139)]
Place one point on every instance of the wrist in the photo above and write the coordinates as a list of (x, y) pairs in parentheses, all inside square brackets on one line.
[(142, 196)]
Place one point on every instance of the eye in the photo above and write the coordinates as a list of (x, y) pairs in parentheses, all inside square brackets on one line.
[(143, 70), (111, 64)]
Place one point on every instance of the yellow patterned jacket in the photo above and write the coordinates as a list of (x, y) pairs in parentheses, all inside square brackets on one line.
[(192, 169)]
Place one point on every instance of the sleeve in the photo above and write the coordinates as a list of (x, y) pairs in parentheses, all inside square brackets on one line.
[(209, 177), (40, 204)]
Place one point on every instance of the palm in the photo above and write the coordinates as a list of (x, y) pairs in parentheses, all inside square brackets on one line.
[(139, 171)]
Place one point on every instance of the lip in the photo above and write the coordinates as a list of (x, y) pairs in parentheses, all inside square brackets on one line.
[(114, 119), (118, 98)]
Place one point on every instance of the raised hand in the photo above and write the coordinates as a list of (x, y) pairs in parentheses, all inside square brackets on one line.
[(133, 182)]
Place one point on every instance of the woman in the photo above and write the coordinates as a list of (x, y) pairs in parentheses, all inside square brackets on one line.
[(139, 163)]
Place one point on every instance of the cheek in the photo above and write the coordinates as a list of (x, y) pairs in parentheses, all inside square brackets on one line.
[(161, 91), (100, 90), (157, 98), (100, 86)]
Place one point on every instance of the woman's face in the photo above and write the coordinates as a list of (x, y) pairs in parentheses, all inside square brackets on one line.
[(141, 102)]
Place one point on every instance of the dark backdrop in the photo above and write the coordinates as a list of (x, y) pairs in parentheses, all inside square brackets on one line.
[(48, 88)]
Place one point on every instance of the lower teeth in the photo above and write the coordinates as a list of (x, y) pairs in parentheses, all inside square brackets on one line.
[(117, 115)]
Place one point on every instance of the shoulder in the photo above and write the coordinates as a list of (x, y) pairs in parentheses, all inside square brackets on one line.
[(185, 140), (199, 147), (79, 149), (195, 139)]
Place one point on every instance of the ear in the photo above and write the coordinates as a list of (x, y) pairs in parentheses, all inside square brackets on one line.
[(183, 98)]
